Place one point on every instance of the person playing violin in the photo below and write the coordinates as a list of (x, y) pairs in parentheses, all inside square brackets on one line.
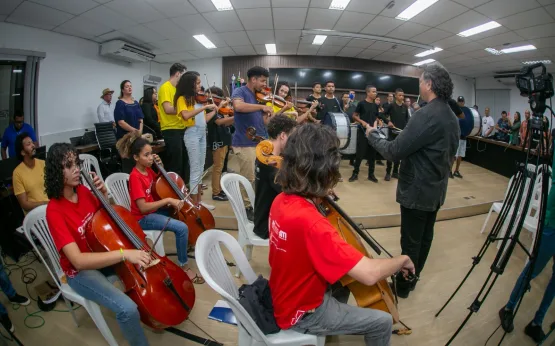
[(219, 139), (195, 117), (69, 214), (283, 91), (248, 112), (266, 189), (151, 214), (307, 254)]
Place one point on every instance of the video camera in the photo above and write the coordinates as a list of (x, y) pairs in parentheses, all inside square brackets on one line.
[(538, 88)]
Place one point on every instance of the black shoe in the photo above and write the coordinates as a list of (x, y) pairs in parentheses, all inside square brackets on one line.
[(457, 174), (21, 300), (395, 175), (451, 175), (7, 323), (387, 177), (219, 197), (535, 332), (353, 177), (379, 162), (506, 317), (372, 178), (250, 214)]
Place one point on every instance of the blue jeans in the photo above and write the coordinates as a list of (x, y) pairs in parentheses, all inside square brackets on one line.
[(158, 219), (195, 142), (96, 285), (7, 288), (546, 251)]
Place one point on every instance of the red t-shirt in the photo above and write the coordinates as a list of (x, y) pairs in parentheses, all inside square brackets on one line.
[(140, 186), (306, 255), (67, 222)]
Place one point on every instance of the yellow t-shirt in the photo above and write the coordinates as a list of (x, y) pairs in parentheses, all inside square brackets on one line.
[(168, 121), (182, 106), (277, 109), (30, 181)]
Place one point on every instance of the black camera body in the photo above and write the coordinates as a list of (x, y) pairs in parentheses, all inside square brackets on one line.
[(538, 88)]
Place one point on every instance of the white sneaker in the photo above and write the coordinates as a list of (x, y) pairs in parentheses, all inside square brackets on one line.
[(208, 206)]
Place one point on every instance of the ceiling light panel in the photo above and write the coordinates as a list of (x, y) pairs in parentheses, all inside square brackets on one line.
[(339, 4), (518, 49), (493, 51), (545, 62), (205, 41), (428, 52), (478, 29), (271, 48), (222, 5), (423, 62), (319, 39), (414, 9)]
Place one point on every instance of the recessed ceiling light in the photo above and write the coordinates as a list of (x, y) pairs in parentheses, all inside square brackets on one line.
[(356, 76), (518, 49), (205, 41), (493, 51), (414, 9), (423, 62), (271, 48), (478, 29), (428, 52), (319, 39), (384, 77), (327, 74), (17, 71), (545, 62), (339, 4), (222, 5)]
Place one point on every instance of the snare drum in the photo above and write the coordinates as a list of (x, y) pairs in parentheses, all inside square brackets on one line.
[(342, 126), (352, 147)]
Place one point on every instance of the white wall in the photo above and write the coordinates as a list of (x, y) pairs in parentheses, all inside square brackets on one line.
[(517, 102), (464, 86), (72, 76), (212, 68)]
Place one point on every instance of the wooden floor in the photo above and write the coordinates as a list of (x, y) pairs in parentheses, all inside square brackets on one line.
[(456, 241), (364, 198)]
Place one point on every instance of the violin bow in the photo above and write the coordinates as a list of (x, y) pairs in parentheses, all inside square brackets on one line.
[(209, 91), (275, 89), (295, 94)]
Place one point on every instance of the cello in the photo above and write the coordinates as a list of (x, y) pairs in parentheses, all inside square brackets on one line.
[(197, 218), (163, 292), (378, 296)]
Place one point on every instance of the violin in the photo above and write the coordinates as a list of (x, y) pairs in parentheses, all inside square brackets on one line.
[(197, 218), (227, 111), (201, 98), (378, 296), (252, 136), (163, 292), (264, 95)]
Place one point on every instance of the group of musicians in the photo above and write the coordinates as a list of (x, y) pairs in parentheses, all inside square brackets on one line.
[(307, 254)]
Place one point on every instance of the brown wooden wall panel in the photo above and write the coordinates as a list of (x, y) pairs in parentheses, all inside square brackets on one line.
[(234, 64)]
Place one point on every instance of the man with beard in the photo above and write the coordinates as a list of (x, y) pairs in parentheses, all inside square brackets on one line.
[(426, 148), (28, 176), (12, 131)]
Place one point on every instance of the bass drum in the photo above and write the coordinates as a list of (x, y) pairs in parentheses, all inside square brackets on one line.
[(473, 117), (341, 125), (352, 147)]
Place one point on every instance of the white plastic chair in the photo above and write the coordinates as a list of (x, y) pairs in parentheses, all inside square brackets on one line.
[(231, 184), (213, 268), (118, 187), (35, 225), (90, 162), (497, 206)]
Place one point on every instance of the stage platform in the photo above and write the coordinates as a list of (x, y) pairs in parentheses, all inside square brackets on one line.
[(374, 205)]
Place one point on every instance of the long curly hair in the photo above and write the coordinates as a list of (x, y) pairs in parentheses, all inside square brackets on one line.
[(130, 145), (186, 88), (59, 156), (311, 158), (442, 85)]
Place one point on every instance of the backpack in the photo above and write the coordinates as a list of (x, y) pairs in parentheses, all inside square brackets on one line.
[(257, 301)]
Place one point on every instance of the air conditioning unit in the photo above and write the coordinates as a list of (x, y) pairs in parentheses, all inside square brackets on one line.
[(121, 50), (150, 80)]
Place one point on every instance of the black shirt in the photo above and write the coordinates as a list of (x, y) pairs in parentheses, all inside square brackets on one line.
[(399, 115), (367, 111), (328, 106), (266, 191), (218, 136)]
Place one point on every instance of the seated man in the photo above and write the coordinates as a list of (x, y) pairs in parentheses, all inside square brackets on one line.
[(12, 131), (28, 176), (279, 128), (307, 254)]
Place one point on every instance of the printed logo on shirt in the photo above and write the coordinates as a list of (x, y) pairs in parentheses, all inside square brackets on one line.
[(276, 234), (282, 235), (84, 223), (298, 315)]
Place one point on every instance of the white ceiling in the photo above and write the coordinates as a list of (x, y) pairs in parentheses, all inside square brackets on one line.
[(167, 27)]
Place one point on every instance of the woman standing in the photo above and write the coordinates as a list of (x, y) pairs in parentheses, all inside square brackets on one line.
[(515, 130), (150, 113), (195, 129), (69, 213), (129, 117)]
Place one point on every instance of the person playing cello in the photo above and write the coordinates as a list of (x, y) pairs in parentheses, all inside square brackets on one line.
[(68, 214), (307, 254), (151, 214)]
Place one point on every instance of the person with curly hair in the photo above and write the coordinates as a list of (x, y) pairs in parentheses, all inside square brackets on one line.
[(68, 214), (308, 256), (426, 148)]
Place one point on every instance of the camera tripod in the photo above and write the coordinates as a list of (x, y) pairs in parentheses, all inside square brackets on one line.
[(520, 195)]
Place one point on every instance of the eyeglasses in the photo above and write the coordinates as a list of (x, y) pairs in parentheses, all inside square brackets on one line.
[(73, 164)]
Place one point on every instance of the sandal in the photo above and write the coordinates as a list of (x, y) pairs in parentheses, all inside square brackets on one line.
[(199, 280)]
